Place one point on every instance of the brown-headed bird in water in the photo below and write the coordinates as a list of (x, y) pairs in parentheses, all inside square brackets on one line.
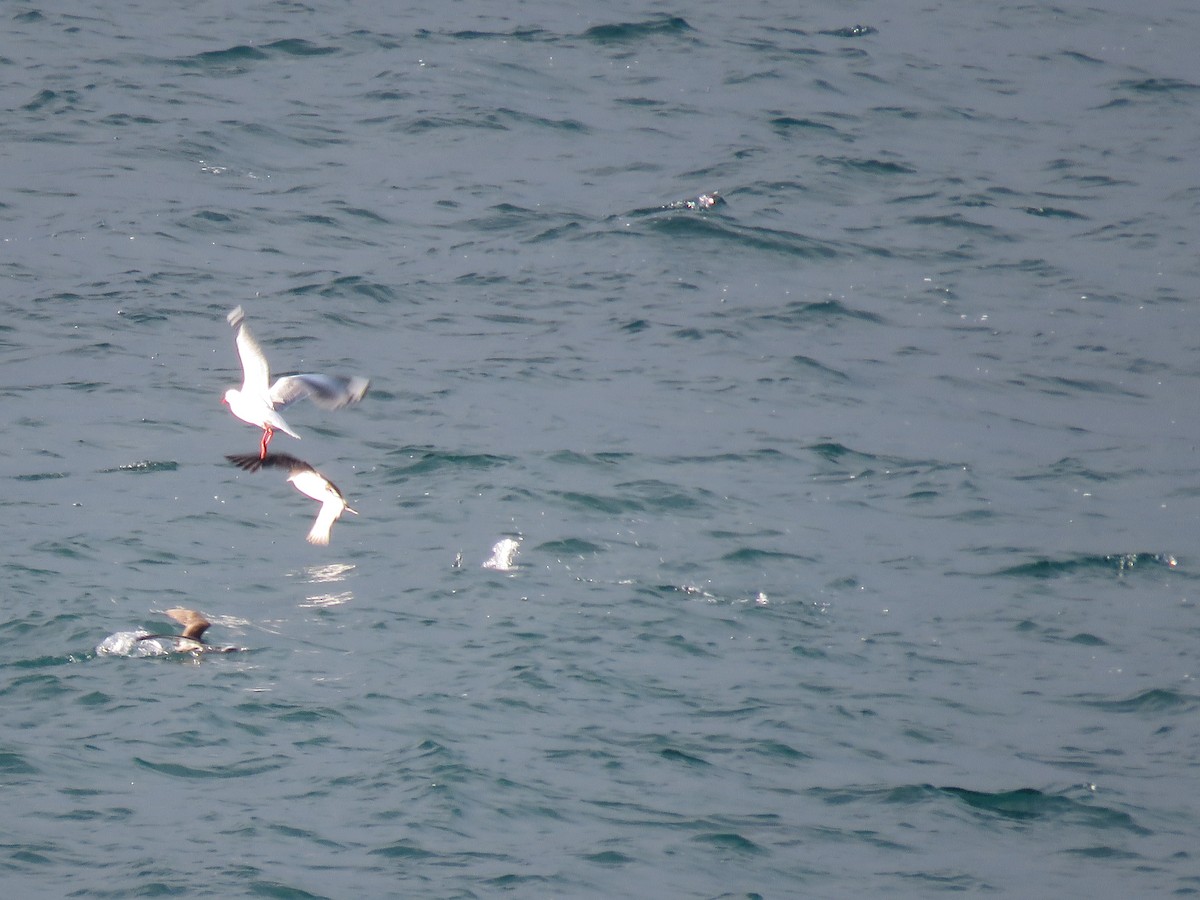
[(192, 637)]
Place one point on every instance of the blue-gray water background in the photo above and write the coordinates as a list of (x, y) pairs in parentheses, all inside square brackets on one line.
[(857, 513)]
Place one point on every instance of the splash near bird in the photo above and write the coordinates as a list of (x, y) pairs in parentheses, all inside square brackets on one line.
[(259, 402), (307, 481)]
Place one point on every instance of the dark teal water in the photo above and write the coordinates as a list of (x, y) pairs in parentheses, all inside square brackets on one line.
[(856, 512)]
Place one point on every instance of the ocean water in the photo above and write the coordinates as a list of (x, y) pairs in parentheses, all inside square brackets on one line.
[(850, 517)]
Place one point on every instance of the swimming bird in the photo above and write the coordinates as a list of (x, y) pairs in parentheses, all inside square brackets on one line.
[(259, 402), (142, 644), (194, 625), (307, 481), (191, 638)]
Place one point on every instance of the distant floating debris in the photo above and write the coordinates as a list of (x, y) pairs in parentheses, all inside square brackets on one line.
[(503, 555)]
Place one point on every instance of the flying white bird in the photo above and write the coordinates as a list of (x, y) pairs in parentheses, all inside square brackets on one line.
[(259, 402), (307, 481)]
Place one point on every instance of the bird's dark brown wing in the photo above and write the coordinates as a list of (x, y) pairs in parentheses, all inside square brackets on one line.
[(193, 623), (252, 463)]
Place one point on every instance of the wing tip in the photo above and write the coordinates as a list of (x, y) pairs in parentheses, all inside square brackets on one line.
[(235, 317), (246, 462)]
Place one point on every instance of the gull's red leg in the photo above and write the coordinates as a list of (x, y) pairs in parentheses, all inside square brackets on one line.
[(268, 433)]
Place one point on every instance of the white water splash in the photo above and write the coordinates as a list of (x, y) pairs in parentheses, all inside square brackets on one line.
[(135, 644), (503, 555)]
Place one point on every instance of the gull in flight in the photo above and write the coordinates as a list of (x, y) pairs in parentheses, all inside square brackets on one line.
[(259, 402), (307, 481)]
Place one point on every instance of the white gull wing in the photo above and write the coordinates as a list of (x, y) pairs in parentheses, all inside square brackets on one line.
[(332, 507), (327, 391), (330, 511), (256, 373)]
